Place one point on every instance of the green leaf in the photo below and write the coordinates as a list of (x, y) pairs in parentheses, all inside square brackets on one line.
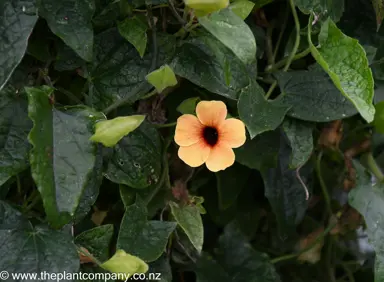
[(135, 31), (123, 263), (14, 127), (109, 132), (127, 195), (161, 266), (258, 114), (206, 62), (236, 260), (118, 72), (242, 262), (229, 29), (71, 20), (260, 152), (188, 106), (286, 193), (242, 8), (261, 3), (230, 182), (371, 52), (67, 59), (344, 59), (209, 270), (17, 19), (300, 138), (108, 14), (313, 97), (376, 63), (331, 8), (96, 241), (136, 159), (33, 249), (368, 199), (62, 157), (162, 78), (91, 190), (189, 219), (140, 237)]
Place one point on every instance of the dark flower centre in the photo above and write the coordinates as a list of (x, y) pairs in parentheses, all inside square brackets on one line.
[(210, 135)]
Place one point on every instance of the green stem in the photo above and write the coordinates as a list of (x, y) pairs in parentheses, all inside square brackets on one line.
[(329, 264), (284, 61), (192, 27), (318, 239), (33, 199), (323, 186), (150, 94), (124, 101), (18, 185), (348, 272), (87, 254), (175, 13), (297, 40), (269, 47), (294, 49), (373, 167), (309, 34), (153, 8), (270, 90), (265, 80), (165, 125), (281, 34), (70, 95)]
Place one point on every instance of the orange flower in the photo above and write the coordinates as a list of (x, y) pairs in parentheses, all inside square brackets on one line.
[(209, 137)]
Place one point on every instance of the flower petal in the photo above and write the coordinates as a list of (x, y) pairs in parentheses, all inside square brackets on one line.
[(188, 130), (220, 158), (211, 113), (232, 133), (194, 155)]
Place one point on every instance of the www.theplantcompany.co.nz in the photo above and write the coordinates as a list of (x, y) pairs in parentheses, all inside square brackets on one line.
[(67, 276)]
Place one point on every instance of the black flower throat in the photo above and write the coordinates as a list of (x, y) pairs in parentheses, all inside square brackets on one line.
[(210, 135)]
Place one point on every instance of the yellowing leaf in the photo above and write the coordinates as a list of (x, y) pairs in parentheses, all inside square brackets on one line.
[(207, 6), (121, 262), (162, 78), (109, 132)]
